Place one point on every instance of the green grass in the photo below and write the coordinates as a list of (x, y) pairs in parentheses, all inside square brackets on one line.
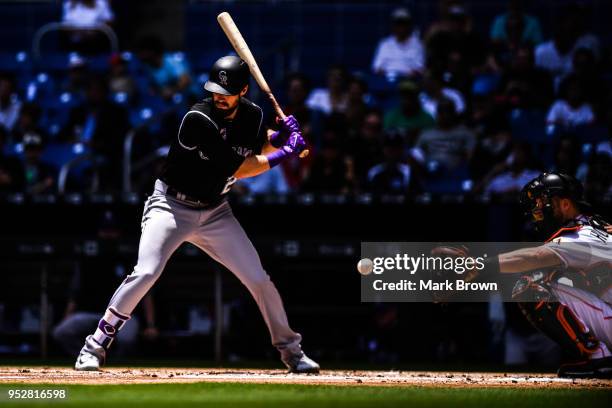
[(301, 396)]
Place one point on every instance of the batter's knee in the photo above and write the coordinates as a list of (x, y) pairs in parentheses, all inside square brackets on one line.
[(257, 282)]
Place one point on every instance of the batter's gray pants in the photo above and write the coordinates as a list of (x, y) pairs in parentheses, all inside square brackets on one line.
[(167, 223)]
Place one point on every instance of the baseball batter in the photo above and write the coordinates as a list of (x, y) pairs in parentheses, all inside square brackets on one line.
[(219, 141), (566, 285)]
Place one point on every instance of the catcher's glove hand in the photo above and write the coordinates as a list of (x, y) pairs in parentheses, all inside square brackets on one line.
[(443, 275), (450, 251)]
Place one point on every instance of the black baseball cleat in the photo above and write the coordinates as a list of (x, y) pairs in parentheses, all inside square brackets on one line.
[(596, 368)]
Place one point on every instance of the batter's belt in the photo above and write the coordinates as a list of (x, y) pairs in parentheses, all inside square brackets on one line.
[(189, 200)]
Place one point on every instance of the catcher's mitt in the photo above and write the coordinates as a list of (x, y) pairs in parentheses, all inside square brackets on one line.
[(443, 275)]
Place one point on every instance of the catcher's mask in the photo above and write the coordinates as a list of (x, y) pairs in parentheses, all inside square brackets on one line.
[(542, 189)]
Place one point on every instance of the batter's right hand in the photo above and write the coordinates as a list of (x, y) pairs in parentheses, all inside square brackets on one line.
[(296, 143)]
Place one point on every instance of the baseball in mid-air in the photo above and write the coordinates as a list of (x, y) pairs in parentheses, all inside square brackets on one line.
[(365, 266)]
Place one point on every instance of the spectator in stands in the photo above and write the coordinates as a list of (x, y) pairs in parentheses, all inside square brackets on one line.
[(458, 75), (365, 147), (78, 76), (571, 34), (597, 176), (297, 89), (486, 114), (409, 117), (392, 176), (120, 80), (587, 70), (82, 14), (357, 104), (9, 102), (449, 144), (434, 90), (28, 122), (101, 124), (494, 146), (39, 176), (511, 32), (555, 55), (334, 98), (169, 72), (567, 155), (11, 168), (522, 72), (331, 171), (598, 183), (454, 37), (511, 175), (402, 53), (572, 110), (516, 20), (578, 14)]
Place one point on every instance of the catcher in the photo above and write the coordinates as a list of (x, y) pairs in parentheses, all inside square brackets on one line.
[(565, 287)]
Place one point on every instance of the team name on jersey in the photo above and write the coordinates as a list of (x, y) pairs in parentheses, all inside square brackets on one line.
[(243, 151)]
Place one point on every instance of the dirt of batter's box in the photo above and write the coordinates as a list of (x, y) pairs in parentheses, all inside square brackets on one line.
[(62, 375)]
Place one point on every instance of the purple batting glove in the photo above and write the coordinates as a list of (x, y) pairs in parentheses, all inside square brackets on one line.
[(278, 156), (290, 125), (278, 138), (294, 145), (287, 126), (296, 142)]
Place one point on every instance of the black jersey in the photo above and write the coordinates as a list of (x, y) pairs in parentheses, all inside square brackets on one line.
[(209, 149)]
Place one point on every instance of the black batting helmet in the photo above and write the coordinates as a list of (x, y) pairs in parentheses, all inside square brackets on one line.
[(228, 76)]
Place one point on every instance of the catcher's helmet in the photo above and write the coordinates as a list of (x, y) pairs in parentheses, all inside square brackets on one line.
[(228, 76), (546, 186)]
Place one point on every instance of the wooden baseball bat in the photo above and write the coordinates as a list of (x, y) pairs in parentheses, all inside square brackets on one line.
[(233, 35)]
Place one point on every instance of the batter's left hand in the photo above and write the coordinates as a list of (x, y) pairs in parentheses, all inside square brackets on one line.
[(289, 125)]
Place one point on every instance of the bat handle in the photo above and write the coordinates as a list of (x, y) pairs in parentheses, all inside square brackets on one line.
[(276, 106), (282, 116)]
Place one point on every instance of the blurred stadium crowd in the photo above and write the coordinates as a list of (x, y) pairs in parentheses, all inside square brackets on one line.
[(444, 109)]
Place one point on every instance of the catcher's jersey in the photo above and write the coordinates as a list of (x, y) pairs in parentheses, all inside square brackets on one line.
[(586, 251)]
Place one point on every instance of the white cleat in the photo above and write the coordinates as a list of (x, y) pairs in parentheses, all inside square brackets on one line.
[(301, 364), (91, 356), (87, 362)]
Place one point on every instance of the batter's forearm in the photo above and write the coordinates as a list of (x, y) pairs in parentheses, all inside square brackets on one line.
[(528, 259), (268, 148), (252, 166)]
